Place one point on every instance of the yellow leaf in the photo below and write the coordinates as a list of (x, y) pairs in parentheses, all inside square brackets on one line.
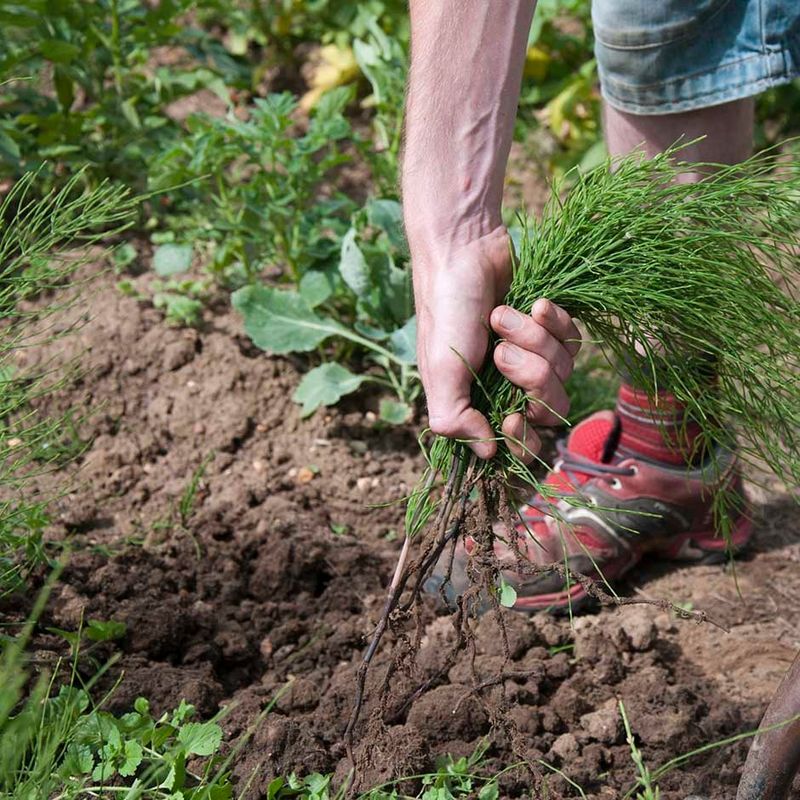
[(537, 62), (329, 67)]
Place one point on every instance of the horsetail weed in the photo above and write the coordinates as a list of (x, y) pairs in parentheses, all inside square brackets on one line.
[(674, 280), (691, 286)]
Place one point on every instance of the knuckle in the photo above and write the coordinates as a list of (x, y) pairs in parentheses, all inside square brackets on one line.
[(540, 375)]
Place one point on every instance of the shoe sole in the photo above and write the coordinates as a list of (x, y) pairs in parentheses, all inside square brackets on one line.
[(696, 548)]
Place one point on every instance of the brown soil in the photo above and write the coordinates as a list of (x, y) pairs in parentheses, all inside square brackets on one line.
[(263, 588)]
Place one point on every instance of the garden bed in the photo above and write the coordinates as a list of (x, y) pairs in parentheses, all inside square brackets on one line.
[(274, 571)]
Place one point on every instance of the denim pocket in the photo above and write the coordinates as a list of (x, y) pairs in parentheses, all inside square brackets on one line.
[(642, 24)]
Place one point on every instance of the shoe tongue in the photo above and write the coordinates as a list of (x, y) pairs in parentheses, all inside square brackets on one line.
[(592, 437)]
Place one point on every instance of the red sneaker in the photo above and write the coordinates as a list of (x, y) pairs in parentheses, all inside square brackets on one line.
[(628, 506)]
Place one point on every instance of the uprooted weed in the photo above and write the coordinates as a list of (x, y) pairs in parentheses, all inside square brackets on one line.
[(678, 282)]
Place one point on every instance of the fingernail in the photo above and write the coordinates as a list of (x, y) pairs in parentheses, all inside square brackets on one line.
[(510, 320), (542, 306), (511, 355)]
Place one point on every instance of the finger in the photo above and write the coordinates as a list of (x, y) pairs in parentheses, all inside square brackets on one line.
[(528, 334), (521, 438), (549, 407), (537, 377), (458, 420), (558, 322)]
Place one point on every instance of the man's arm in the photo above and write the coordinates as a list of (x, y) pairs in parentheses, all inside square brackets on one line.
[(466, 68)]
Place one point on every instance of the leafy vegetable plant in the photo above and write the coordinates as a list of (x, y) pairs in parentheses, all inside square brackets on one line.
[(82, 83), (259, 190), (365, 305)]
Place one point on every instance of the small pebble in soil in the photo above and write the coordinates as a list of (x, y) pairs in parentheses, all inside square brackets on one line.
[(602, 725), (304, 475), (565, 747), (638, 626)]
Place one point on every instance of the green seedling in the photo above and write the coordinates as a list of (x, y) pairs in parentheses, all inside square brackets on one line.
[(189, 496)]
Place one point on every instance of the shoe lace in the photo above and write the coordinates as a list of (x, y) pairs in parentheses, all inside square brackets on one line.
[(577, 469)]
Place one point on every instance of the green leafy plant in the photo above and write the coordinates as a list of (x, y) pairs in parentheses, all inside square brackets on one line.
[(369, 309), (279, 26), (95, 631), (648, 790), (61, 744), (384, 61), (81, 84), (256, 193)]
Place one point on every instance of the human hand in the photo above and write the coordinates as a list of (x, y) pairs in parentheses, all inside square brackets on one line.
[(457, 291), (456, 286)]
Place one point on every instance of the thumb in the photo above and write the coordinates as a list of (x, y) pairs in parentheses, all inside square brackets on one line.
[(464, 423)]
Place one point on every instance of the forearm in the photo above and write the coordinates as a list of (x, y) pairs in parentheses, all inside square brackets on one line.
[(466, 67)]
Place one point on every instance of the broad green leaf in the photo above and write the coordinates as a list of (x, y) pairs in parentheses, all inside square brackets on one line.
[(176, 776), (124, 255), (403, 342), (388, 215), (179, 309), (172, 259), (507, 594), (8, 147), (101, 631), (65, 90), (393, 289), (317, 785), (353, 266), (130, 113), (133, 757), (324, 386), (78, 760), (200, 738), (215, 792), (59, 51), (142, 705), (72, 638), (370, 331), (274, 786), (394, 412), (182, 713), (103, 771), (281, 322), (489, 791), (315, 287)]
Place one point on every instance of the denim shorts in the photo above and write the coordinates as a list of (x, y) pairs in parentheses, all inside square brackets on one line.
[(664, 56)]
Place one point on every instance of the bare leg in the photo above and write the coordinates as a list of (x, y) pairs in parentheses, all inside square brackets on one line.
[(728, 129)]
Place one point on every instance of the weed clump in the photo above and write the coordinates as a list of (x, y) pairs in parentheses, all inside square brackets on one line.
[(691, 286)]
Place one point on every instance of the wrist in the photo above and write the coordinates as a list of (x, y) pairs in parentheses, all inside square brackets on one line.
[(438, 238)]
